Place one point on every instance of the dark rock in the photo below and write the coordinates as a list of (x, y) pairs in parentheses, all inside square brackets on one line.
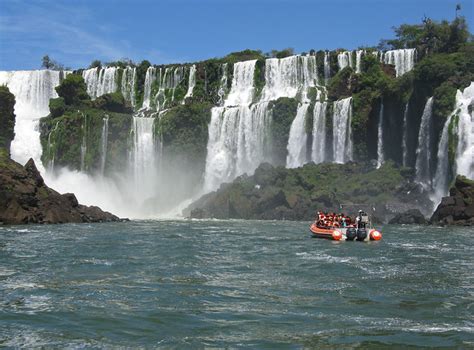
[(458, 208), (25, 198), (412, 216)]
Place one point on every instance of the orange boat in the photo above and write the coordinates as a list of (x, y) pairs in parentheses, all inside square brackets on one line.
[(365, 231)]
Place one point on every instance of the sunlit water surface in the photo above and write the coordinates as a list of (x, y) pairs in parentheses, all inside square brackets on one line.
[(194, 284)]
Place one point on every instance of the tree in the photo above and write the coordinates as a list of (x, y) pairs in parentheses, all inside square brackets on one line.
[(95, 64), (49, 63), (73, 89)]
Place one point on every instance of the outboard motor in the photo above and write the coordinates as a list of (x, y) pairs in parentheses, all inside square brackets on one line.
[(361, 234), (351, 234)]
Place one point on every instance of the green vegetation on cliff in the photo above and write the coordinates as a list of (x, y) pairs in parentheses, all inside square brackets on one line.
[(76, 121), (283, 112), (7, 118), (296, 194)]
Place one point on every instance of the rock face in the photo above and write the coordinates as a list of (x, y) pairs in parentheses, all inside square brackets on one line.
[(412, 216), (277, 193), (24, 198), (458, 208)]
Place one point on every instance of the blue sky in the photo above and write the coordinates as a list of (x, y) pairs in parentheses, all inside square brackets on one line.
[(77, 32)]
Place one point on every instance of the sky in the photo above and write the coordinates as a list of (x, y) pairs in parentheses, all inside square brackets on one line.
[(76, 32)]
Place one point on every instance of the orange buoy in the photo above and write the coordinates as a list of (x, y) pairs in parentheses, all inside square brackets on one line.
[(336, 235), (375, 235)]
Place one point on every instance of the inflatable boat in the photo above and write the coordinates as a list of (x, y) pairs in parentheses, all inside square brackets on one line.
[(345, 233), (360, 230)]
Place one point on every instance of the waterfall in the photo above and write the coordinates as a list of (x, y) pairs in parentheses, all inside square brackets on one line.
[(223, 85), (32, 90), (236, 143), (359, 60), (150, 78), (191, 82), (286, 77), (143, 158), (405, 135), (103, 143), (341, 133), (423, 151), (51, 147), (344, 59), (318, 151), (327, 66), (380, 156), (241, 90), (403, 60), (464, 160), (128, 84), (465, 147), (297, 139), (167, 83), (100, 81)]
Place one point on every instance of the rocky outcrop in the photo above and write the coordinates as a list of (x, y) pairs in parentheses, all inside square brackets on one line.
[(296, 194), (410, 217), (458, 207), (25, 198)]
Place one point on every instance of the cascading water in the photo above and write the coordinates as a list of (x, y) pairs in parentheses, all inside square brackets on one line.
[(464, 158), (223, 85), (297, 139), (344, 59), (150, 78), (405, 135), (318, 150), (327, 66), (423, 151), (242, 89), (359, 54), (237, 132), (402, 59), (100, 81), (191, 82), (51, 147), (465, 146), (167, 81), (342, 138), (32, 90), (128, 84), (287, 76), (380, 155), (143, 158), (103, 143)]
